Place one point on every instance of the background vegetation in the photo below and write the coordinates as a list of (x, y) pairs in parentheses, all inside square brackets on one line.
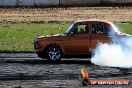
[(19, 37)]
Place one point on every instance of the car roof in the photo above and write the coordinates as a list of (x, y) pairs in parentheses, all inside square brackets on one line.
[(94, 20)]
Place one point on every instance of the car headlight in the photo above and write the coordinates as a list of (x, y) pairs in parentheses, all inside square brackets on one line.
[(35, 43)]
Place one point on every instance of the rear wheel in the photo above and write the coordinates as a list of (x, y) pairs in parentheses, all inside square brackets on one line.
[(53, 54)]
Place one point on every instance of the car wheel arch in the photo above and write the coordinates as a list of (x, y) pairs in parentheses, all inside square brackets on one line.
[(49, 45)]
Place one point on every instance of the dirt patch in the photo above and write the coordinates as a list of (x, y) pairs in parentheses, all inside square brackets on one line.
[(119, 14)]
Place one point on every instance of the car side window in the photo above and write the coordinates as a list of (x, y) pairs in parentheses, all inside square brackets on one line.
[(82, 29), (99, 28)]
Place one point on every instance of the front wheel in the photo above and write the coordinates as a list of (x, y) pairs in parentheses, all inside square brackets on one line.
[(53, 54)]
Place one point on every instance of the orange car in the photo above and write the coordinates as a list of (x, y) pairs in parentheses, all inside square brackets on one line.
[(78, 41)]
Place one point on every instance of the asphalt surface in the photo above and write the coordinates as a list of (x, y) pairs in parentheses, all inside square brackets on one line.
[(33, 72), (18, 55)]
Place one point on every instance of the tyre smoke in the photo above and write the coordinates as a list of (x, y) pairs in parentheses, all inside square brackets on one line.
[(115, 54)]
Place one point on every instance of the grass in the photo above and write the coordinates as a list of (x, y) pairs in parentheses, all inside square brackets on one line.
[(125, 27), (19, 37)]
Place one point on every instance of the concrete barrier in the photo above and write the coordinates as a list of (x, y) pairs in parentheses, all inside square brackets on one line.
[(25, 2), (7, 2), (120, 1), (60, 2), (105, 2), (79, 2), (47, 2)]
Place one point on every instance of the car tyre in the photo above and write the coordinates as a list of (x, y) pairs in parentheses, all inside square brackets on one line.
[(53, 54)]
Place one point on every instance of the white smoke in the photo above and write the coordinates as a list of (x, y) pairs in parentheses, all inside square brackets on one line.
[(114, 54)]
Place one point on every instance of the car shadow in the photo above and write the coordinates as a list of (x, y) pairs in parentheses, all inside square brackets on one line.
[(40, 61)]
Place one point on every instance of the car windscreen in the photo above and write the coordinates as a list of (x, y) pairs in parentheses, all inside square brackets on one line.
[(115, 28), (69, 29)]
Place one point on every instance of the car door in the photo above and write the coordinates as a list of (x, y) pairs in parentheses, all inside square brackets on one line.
[(99, 34), (79, 42)]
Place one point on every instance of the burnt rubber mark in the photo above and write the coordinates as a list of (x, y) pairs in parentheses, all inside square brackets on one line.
[(35, 61), (120, 74), (42, 77), (60, 76)]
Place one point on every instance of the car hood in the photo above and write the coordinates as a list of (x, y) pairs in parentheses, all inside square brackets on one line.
[(124, 35), (51, 35)]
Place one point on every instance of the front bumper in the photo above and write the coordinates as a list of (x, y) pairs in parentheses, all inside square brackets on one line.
[(35, 44)]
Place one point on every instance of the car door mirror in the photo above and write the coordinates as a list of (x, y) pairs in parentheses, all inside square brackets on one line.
[(70, 34)]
